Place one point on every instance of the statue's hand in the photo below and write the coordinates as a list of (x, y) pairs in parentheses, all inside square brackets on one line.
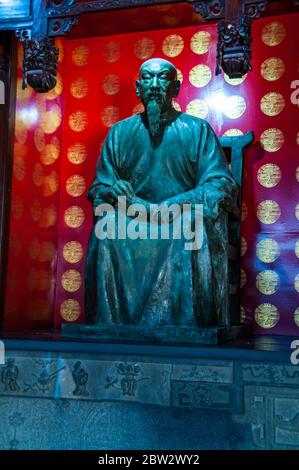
[(118, 189), (226, 204), (218, 202)]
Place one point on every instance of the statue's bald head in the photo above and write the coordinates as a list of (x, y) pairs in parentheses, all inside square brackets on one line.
[(157, 82), (158, 64)]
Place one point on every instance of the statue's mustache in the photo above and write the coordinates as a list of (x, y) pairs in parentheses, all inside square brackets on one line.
[(157, 95)]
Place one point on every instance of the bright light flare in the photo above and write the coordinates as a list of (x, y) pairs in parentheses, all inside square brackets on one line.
[(29, 116)]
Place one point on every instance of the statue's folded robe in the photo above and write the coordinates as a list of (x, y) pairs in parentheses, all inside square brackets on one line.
[(159, 281)]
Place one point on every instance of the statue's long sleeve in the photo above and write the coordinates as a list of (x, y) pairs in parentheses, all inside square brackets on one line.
[(106, 168), (213, 180)]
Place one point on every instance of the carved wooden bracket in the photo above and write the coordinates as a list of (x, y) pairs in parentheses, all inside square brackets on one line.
[(234, 31), (40, 64), (215, 9), (234, 47), (254, 9), (208, 9), (234, 36)]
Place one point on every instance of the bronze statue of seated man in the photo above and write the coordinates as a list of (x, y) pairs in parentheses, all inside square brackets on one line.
[(154, 161)]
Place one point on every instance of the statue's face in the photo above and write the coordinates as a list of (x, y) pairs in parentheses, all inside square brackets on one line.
[(157, 82)]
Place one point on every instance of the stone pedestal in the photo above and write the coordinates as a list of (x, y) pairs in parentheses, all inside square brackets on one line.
[(88, 395), (155, 335)]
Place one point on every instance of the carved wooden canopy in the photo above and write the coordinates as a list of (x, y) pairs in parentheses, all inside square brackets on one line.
[(38, 22)]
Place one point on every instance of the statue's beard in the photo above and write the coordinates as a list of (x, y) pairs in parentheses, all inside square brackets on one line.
[(154, 109)]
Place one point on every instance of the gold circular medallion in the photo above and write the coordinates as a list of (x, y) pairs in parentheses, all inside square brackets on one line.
[(138, 109), (111, 84), (20, 149), (78, 121), (268, 212), (233, 133), (144, 48), (180, 76), (111, 52), (267, 250), (20, 131), (48, 216), (272, 139), (272, 103), (41, 103), (77, 153), (23, 94), (26, 117), (51, 120), (235, 81), (272, 69), (200, 75), (235, 106), (243, 278), (73, 252), (173, 45), (176, 105), (296, 283), (74, 217), (297, 174), (109, 116), (296, 316), (57, 90), (19, 168), (243, 246), (71, 280), (197, 108), (39, 139), (75, 185), (269, 175), (50, 183), (297, 248), (79, 88), (266, 315), (70, 310), (51, 152), (244, 212), (80, 56), (267, 282), (38, 174), (273, 33), (200, 42)]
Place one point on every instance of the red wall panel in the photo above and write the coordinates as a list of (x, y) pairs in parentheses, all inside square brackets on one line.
[(98, 90)]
